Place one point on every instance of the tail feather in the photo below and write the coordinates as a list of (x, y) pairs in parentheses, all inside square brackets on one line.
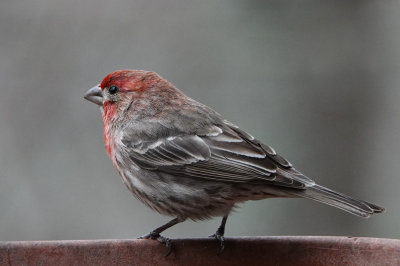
[(341, 201)]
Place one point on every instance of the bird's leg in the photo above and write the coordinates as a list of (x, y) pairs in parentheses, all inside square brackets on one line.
[(219, 235), (155, 234)]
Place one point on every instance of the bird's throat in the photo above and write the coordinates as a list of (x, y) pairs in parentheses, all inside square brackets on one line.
[(108, 114)]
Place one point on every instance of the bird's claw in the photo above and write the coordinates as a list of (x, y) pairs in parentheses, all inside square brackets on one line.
[(162, 239), (221, 239)]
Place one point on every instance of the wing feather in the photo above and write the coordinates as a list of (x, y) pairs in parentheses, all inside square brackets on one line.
[(226, 154)]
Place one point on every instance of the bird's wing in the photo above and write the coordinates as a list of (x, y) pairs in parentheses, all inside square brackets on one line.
[(168, 152), (226, 154)]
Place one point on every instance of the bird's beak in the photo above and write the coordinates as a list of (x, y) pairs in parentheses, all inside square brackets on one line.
[(95, 95)]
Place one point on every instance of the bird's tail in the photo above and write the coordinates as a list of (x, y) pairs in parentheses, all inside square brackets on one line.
[(341, 201)]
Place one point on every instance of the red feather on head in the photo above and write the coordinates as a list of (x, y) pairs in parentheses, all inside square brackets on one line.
[(130, 80)]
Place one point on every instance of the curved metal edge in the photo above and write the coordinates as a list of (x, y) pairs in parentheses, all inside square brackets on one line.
[(287, 250)]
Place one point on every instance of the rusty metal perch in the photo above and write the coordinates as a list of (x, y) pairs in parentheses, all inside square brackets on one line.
[(279, 250)]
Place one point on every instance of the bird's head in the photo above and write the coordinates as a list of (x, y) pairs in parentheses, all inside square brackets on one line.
[(125, 90)]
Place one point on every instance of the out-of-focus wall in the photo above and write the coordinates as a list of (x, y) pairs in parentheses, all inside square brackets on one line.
[(317, 80)]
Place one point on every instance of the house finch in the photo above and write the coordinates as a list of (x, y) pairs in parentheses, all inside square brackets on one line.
[(182, 159)]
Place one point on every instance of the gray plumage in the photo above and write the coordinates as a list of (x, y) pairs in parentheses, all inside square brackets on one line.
[(193, 164)]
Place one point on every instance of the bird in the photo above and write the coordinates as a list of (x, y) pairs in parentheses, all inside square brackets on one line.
[(184, 160)]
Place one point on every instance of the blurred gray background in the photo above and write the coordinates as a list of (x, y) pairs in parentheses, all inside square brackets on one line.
[(317, 80)]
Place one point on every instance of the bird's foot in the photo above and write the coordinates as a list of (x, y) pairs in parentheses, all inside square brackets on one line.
[(221, 239), (162, 239)]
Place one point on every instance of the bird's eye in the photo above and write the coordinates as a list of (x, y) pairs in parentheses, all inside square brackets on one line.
[(113, 89)]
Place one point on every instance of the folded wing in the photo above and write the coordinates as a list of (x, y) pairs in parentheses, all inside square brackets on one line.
[(226, 154)]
